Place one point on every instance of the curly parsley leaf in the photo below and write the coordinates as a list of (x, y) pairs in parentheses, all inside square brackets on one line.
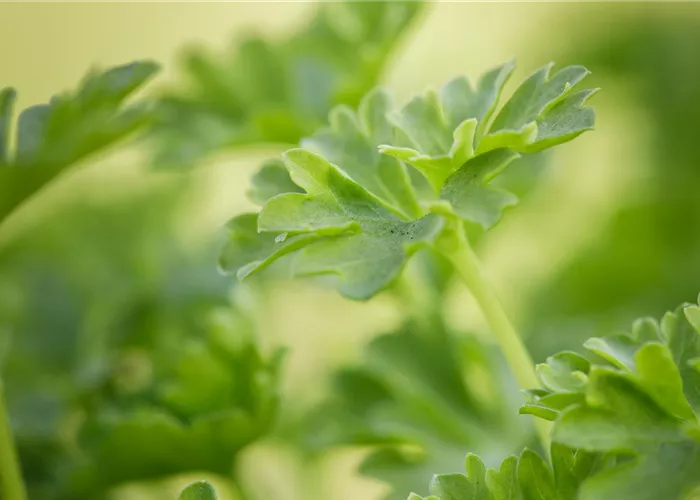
[(279, 91), (524, 477), (52, 137), (442, 128), (638, 399), (367, 211), (446, 130), (625, 422), (352, 141), (377, 241)]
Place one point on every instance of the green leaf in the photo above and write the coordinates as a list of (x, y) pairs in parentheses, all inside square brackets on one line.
[(442, 129), (452, 487), (272, 179), (624, 425), (201, 490), (618, 350), (469, 194), (462, 103), (549, 406), (279, 91), (247, 252), (646, 330), (503, 483), (566, 120), (55, 136), (363, 209), (420, 400), (476, 473), (351, 142), (564, 372), (214, 393), (660, 377), (684, 342), (619, 416), (671, 471), (347, 231), (536, 97), (535, 477), (571, 467)]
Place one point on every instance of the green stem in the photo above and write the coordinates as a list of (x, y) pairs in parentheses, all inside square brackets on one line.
[(454, 245), (11, 484)]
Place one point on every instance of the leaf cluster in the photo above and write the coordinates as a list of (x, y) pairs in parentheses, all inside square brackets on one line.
[(625, 422), (52, 137), (278, 91), (128, 362), (379, 184), (422, 395)]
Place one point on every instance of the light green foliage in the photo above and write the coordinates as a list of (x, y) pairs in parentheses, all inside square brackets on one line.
[(524, 477), (447, 130), (352, 140), (54, 136), (625, 422), (346, 230), (201, 490), (366, 210), (206, 400), (421, 397), (266, 91), (272, 179), (128, 362), (639, 398)]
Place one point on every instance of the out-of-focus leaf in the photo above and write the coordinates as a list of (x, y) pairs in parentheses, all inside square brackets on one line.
[(203, 404), (272, 179), (279, 91), (55, 136), (109, 332), (423, 397)]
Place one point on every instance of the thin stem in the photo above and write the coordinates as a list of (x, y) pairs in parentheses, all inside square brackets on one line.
[(454, 245), (11, 484)]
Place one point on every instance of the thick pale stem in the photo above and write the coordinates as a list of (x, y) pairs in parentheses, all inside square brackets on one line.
[(11, 484), (454, 245)]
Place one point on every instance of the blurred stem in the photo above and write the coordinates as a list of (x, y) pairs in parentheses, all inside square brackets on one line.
[(11, 484), (454, 245), (414, 296)]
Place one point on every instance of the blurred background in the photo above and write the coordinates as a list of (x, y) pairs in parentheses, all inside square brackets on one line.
[(131, 365)]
